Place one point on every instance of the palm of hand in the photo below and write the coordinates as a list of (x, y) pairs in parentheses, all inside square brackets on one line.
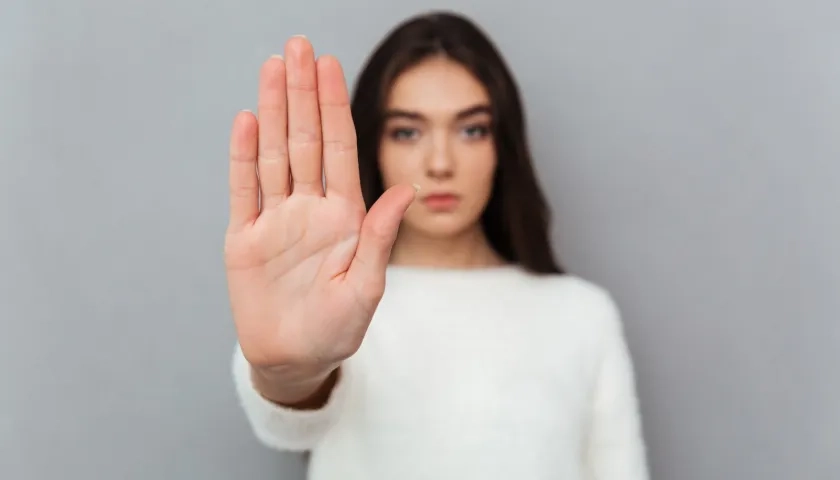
[(305, 265)]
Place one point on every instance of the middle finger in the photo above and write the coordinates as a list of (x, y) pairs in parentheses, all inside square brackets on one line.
[(304, 119)]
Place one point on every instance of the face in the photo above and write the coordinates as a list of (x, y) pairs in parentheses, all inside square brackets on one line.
[(437, 134)]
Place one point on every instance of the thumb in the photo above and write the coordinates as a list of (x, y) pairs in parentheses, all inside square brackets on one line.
[(379, 231)]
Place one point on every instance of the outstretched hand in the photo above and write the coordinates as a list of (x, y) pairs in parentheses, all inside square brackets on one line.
[(305, 261)]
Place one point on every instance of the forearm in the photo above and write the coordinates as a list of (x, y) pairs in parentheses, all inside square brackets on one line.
[(290, 409)]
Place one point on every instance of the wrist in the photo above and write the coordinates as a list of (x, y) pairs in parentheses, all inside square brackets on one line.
[(293, 387)]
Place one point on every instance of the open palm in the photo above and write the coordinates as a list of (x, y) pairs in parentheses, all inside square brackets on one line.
[(305, 261)]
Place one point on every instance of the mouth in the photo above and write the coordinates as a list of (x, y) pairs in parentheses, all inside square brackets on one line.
[(441, 202)]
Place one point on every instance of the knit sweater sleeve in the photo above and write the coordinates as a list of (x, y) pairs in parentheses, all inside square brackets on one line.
[(283, 428), (616, 449)]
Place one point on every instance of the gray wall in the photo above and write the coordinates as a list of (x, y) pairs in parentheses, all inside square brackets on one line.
[(690, 149)]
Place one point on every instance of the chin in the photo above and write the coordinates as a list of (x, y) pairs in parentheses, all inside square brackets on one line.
[(442, 226)]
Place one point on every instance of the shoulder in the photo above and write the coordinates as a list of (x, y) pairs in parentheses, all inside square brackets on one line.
[(572, 291), (575, 299)]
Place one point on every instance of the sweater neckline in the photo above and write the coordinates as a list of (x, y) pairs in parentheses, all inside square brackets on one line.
[(479, 271)]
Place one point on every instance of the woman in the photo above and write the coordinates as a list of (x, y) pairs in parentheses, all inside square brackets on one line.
[(399, 310)]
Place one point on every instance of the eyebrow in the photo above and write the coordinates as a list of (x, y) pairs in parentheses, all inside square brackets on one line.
[(465, 113)]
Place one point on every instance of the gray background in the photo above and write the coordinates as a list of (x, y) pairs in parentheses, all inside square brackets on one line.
[(690, 149)]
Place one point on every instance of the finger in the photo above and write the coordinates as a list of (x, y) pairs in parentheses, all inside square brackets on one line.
[(273, 161), (304, 118), (379, 231), (341, 164), (244, 187)]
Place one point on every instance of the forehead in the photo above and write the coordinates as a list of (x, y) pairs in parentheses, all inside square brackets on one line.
[(436, 86)]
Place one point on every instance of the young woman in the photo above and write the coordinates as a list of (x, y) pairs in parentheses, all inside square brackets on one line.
[(399, 310)]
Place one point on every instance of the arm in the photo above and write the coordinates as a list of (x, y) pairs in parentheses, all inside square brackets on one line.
[(293, 418), (616, 449), (299, 223)]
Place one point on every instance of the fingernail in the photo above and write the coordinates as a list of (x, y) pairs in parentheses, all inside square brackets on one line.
[(277, 56), (299, 36), (416, 187)]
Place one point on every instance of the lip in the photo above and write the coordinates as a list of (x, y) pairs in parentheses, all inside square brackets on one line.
[(441, 202)]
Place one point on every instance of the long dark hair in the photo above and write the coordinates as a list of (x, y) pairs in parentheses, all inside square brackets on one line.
[(516, 219)]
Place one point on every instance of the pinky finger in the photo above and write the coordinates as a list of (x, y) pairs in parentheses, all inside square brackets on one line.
[(244, 185)]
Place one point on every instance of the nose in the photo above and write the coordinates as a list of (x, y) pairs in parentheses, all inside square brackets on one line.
[(440, 163)]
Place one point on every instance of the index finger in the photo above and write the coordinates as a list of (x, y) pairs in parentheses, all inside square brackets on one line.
[(341, 162)]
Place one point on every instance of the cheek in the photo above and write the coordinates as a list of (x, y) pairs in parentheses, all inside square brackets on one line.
[(479, 175), (398, 165)]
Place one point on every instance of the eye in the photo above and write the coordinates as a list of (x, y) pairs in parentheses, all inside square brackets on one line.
[(476, 131), (404, 134)]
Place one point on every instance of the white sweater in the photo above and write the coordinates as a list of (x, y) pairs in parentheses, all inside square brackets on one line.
[(473, 374)]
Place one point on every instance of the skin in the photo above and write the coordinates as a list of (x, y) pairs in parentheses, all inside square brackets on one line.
[(306, 264), (438, 135)]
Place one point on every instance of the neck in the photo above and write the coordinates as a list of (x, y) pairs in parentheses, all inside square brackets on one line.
[(470, 249)]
